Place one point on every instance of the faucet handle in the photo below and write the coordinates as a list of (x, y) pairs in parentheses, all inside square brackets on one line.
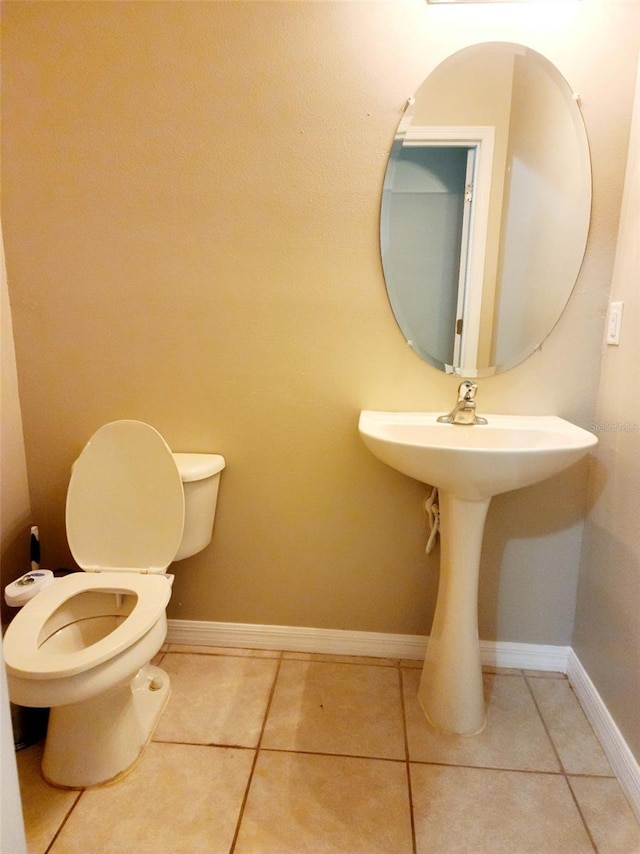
[(467, 391)]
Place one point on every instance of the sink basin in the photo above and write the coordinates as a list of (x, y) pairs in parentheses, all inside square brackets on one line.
[(478, 461), (469, 465)]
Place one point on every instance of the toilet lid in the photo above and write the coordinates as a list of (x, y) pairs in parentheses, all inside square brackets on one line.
[(125, 502)]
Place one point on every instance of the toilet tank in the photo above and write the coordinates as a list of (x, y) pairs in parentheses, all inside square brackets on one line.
[(200, 475)]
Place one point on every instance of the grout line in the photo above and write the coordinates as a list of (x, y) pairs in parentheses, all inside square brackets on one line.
[(338, 658), (289, 750), (545, 727), (64, 821), (232, 652), (488, 768), (255, 758), (578, 807), (562, 767), (434, 763), (407, 760), (585, 775), (221, 745)]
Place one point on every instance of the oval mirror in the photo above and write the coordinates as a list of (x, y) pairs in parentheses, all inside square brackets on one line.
[(485, 209)]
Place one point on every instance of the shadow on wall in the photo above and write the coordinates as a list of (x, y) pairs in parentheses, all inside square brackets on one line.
[(559, 505), (603, 635)]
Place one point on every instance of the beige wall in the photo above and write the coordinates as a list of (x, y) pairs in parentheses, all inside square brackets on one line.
[(191, 200), (15, 510), (607, 633)]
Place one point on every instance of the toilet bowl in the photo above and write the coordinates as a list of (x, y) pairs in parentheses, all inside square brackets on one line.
[(83, 645)]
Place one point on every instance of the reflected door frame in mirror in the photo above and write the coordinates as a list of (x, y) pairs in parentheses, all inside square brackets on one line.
[(479, 141)]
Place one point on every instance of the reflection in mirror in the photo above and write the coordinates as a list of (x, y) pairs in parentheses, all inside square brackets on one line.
[(485, 209)]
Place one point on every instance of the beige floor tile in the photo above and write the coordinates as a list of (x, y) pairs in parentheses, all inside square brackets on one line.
[(342, 805), (579, 749), (336, 708), (610, 819), (43, 807), (216, 699), (180, 799), (484, 811), (514, 736)]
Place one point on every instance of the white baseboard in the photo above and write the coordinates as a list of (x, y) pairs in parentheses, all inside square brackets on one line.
[(622, 761), (561, 659), (342, 642), (296, 639), (528, 656)]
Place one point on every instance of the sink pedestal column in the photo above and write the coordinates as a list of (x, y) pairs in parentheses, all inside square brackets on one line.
[(451, 693)]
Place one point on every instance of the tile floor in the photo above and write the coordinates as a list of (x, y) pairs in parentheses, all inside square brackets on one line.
[(286, 752)]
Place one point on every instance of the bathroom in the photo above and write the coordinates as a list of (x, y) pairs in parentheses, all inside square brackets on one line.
[(191, 199)]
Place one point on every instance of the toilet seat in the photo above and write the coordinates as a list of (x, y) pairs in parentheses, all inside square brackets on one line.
[(25, 653), (125, 502)]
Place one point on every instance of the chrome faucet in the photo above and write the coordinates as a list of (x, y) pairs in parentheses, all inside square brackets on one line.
[(464, 412)]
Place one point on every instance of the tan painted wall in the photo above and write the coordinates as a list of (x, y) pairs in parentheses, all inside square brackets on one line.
[(607, 633), (15, 509), (191, 200)]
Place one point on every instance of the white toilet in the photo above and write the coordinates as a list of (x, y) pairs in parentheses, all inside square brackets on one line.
[(83, 645)]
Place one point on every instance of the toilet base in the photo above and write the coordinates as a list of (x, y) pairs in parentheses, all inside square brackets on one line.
[(98, 740)]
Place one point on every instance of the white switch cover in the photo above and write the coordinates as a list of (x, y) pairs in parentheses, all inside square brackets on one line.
[(614, 322)]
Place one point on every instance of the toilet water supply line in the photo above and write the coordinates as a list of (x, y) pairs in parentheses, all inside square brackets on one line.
[(432, 512), (34, 548)]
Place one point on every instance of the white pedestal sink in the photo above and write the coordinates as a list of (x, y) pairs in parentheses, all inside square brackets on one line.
[(469, 464)]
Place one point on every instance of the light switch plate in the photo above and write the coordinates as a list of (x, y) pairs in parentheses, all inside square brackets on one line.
[(614, 322)]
